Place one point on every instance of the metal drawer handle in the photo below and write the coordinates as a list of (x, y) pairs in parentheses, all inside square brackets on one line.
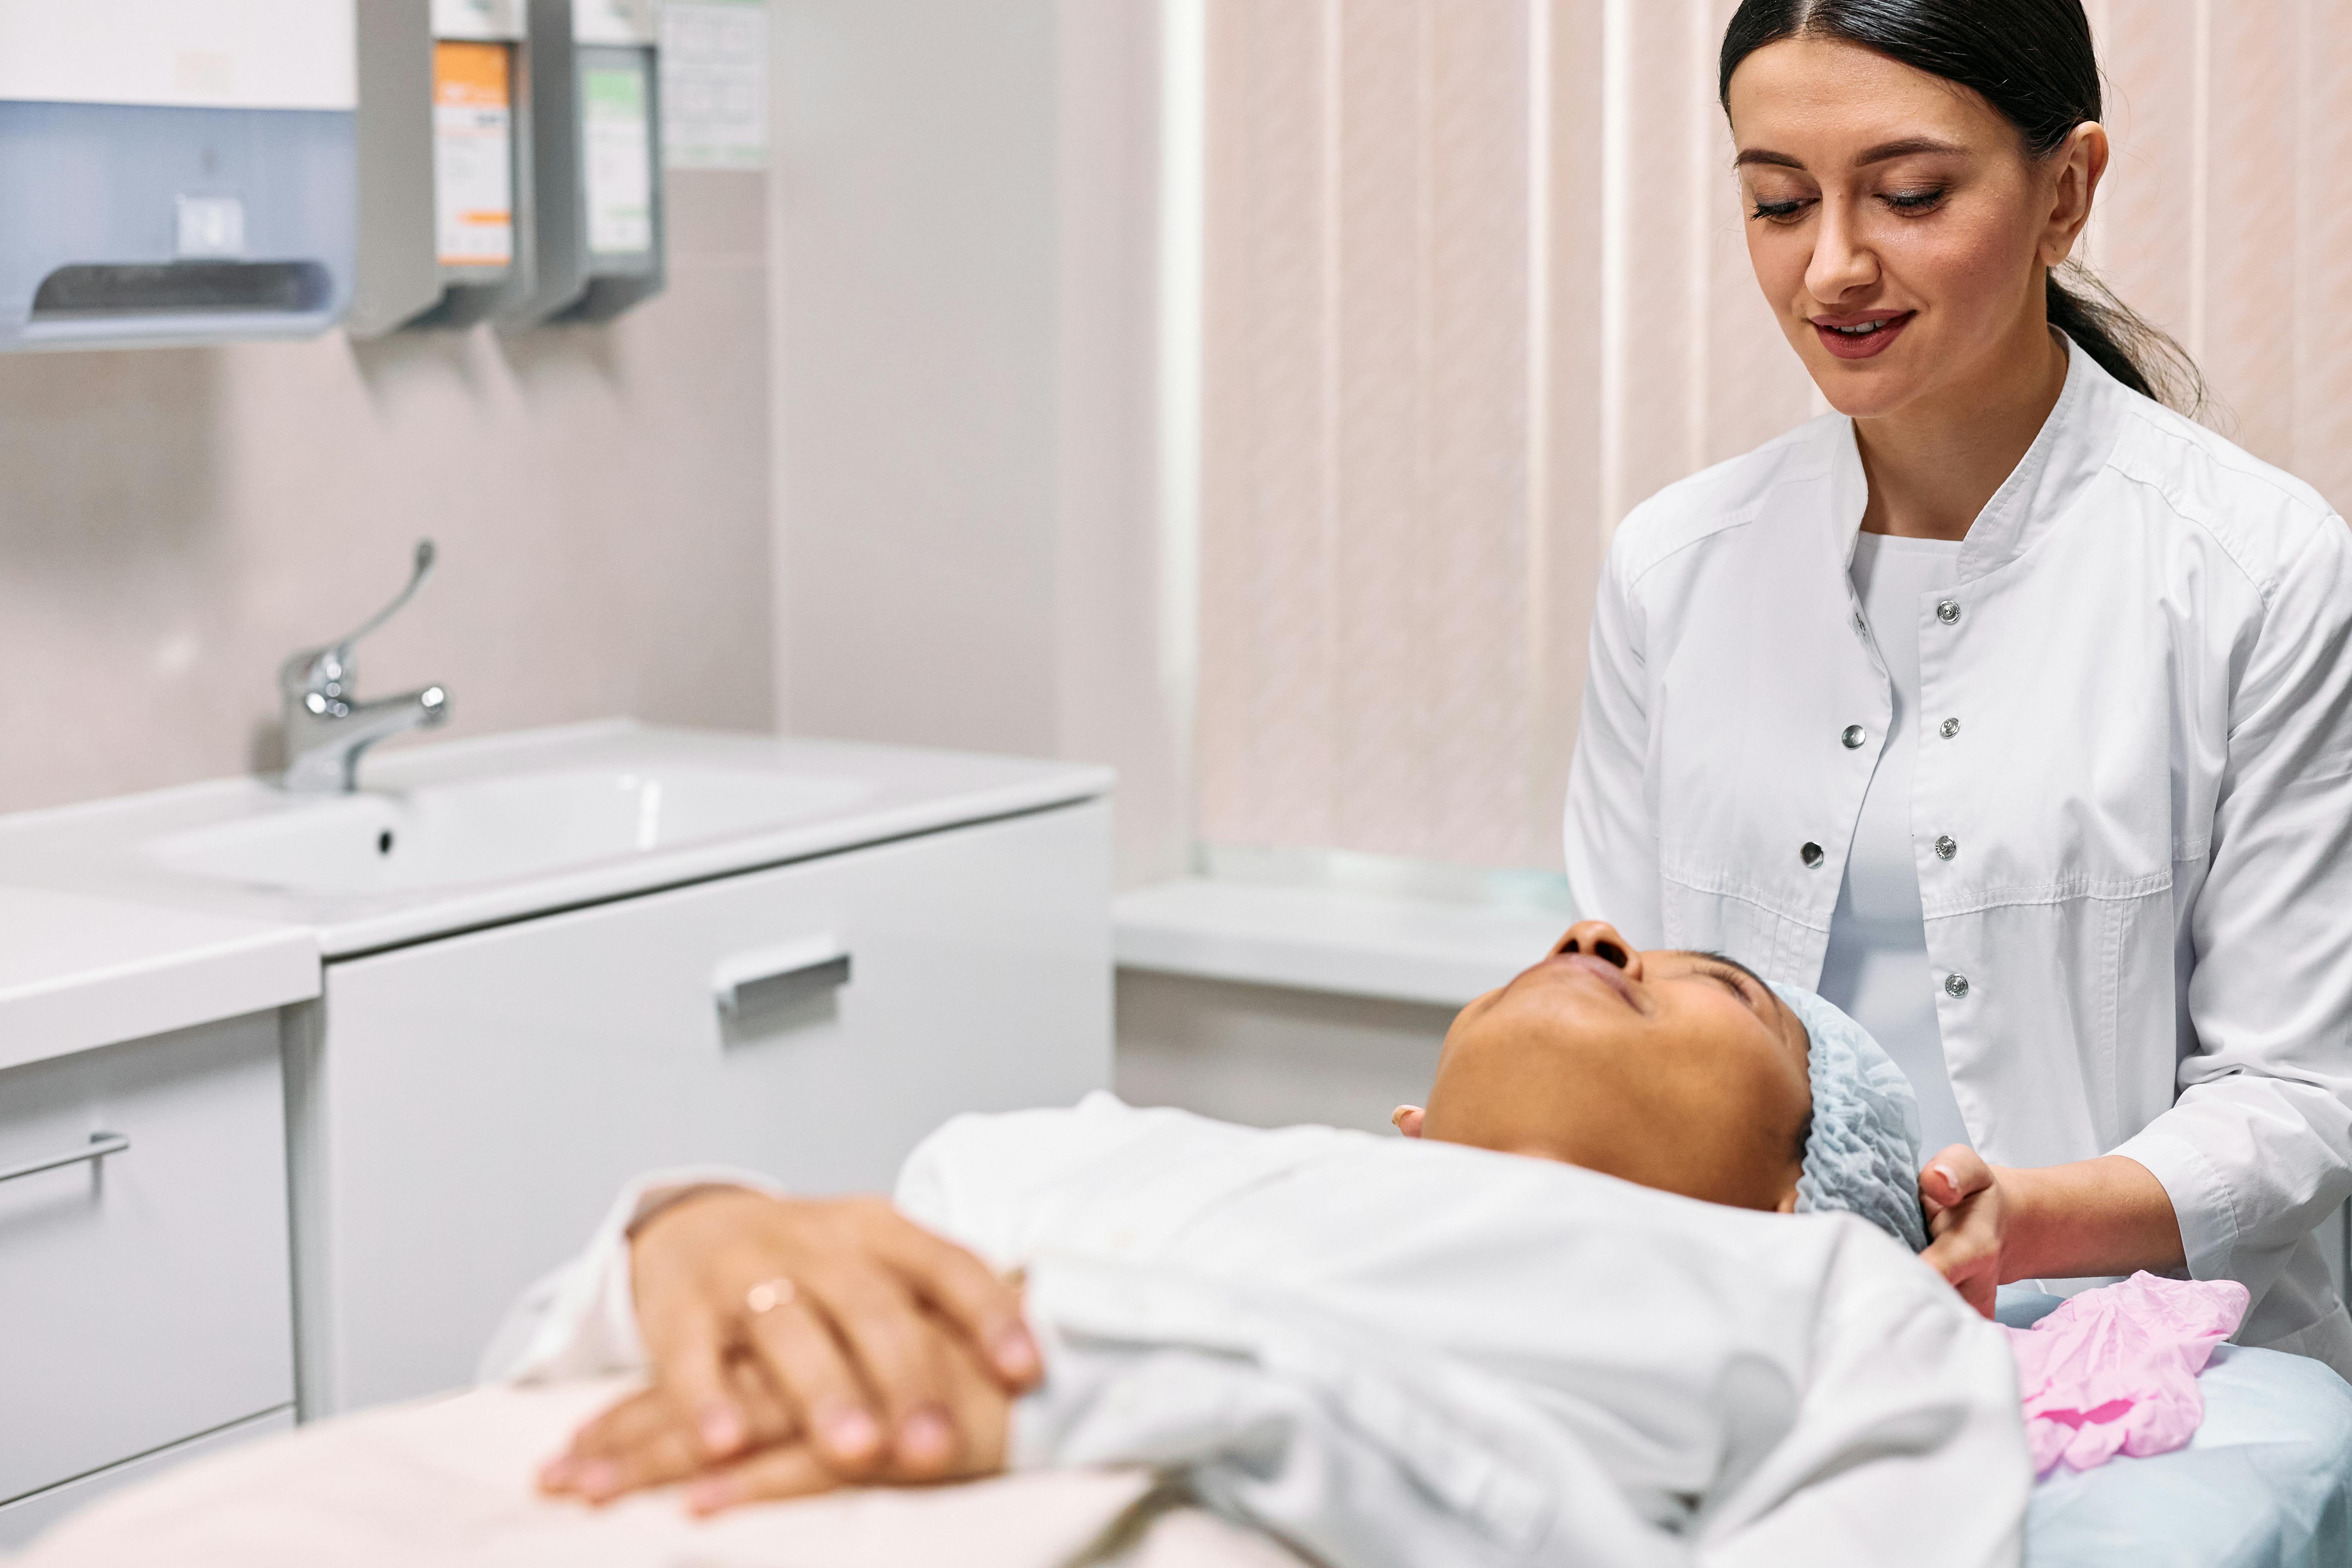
[(101, 1144), (819, 962)]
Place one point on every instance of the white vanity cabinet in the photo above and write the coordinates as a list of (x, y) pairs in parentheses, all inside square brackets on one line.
[(145, 1309), (464, 1109)]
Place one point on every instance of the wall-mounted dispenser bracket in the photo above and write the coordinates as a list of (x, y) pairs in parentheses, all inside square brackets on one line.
[(596, 117), (174, 171), (445, 230)]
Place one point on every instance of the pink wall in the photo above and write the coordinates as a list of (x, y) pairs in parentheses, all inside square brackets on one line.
[(1476, 285), (174, 522)]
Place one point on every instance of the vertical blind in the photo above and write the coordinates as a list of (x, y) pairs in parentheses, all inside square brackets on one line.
[(1475, 283)]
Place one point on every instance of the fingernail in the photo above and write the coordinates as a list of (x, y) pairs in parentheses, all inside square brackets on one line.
[(1946, 1171), (723, 1430), (1016, 1353), (851, 1433), (710, 1495), (600, 1479), (925, 1438)]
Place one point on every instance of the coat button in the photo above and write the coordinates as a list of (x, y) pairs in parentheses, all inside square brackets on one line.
[(1947, 846), (1812, 856), (1949, 611), (1948, 728), (1955, 985), (1853, 737)]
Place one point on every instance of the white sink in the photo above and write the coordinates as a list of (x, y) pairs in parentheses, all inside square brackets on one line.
[(495, 830), (457, 835)]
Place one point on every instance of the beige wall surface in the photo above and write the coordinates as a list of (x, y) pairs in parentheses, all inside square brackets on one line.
[(1477, 284), (967, 546), (174, 522)]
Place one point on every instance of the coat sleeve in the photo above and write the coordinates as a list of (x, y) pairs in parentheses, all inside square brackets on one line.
[(581, 1321), (2258, 1148), (1611, 831)]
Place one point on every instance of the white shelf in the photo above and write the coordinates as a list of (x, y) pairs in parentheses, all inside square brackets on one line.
[(1323, 939)]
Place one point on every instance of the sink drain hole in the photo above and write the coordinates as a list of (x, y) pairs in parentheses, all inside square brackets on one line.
[(384, 842)]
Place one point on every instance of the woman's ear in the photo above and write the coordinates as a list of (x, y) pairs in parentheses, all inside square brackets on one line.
[(1406, 1119), (2081, 164)]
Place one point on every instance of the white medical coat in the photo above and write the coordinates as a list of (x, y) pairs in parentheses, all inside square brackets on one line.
[(1403, 1353), (2131, 807)]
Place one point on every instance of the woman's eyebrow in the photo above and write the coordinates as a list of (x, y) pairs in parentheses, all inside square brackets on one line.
[(1904, 147)]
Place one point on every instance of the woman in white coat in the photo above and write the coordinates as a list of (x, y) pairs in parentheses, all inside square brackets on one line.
[(2005, 706)]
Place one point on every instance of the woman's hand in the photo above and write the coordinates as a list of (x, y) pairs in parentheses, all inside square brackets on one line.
[(1968, 1216), (859, 1322), (649, 1440)]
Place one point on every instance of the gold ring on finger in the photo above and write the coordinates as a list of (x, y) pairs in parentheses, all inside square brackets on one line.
[(768, 1295)]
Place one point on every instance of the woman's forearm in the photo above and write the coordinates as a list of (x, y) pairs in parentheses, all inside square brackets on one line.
[(2108, 1215)]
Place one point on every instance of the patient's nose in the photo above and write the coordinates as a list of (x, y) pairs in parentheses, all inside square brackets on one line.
[(1603, 941)]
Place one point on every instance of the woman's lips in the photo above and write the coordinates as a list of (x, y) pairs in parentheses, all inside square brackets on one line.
[(1606, 973), (1851, 343)]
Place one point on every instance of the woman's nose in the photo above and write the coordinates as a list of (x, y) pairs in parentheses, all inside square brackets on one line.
[(1840, 266), (1603, 941)]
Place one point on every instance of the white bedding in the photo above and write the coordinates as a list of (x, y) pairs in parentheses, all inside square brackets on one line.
[(1395, 1352)]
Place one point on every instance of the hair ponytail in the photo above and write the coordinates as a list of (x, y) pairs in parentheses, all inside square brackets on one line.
[(2127, 346), (2033, 61)]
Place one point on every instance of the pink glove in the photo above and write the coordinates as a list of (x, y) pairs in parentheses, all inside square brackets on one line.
[(2114, 1370)]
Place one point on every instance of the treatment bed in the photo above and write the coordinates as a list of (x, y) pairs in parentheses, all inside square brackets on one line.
[(2266, 1483)]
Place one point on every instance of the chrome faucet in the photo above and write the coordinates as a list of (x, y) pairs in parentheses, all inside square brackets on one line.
[(327, 728)]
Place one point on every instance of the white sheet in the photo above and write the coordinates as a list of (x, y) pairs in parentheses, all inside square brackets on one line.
[(1400, 1353)]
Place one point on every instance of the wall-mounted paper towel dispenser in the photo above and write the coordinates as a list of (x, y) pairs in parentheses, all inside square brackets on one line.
[(174, 171), (445, 233), (596, 115)]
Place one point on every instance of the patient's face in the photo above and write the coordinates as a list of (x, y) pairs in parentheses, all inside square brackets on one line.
[(1673, 1070)]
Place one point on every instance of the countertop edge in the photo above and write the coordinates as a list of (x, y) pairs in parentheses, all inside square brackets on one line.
[(205, 983)]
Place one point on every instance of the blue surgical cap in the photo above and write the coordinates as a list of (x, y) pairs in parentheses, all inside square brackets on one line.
[(1862, 1155)]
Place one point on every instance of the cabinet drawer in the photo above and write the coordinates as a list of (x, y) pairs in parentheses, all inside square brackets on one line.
[(473, 1104), (143, 1298)]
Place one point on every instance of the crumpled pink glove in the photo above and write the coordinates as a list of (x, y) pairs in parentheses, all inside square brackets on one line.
[(2114, 1370)]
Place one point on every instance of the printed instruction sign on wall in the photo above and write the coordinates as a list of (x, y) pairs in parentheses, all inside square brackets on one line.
[(715, 84), (620, 162), (473, 153)]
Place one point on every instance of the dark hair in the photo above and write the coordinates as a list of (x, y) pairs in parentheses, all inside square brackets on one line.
[(2033, 61)]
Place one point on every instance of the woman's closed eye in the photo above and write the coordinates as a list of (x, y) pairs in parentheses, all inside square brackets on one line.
[(1912, 203), (1731, 980)]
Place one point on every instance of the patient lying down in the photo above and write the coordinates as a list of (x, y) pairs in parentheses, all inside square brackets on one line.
[(1638, 1346)]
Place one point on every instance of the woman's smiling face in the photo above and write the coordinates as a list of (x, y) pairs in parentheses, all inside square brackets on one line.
[(1898, 225)]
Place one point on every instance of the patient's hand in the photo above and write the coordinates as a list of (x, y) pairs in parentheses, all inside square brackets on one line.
[(649, 1440), (860, 1313), (1966, 1208)]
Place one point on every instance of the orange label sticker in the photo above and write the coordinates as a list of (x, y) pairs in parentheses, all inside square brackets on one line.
[(473, 153), (470, 75)]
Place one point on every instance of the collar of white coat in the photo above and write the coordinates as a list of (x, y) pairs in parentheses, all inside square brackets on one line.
[(2076, 443)]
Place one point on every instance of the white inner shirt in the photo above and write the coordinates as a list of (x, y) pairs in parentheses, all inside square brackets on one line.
[(1876, 967)]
